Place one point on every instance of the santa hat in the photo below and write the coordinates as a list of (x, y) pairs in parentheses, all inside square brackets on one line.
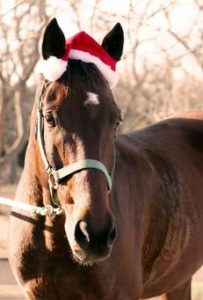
[(82, 47)]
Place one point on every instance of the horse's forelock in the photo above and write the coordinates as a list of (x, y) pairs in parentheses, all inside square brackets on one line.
[(88, 73)]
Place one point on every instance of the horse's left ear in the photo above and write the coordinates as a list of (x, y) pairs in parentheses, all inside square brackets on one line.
[(54, 41), (113, 42)]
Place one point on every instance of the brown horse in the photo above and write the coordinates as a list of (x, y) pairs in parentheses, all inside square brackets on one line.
[(140, 238)]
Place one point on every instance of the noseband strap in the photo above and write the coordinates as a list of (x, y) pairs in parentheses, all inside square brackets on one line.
[(81, 165), (55, 176)]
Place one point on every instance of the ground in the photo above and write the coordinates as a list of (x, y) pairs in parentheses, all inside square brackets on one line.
[(8, 287)]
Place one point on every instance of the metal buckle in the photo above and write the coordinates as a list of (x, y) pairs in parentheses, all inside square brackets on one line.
[(48, 210), (53, 180)]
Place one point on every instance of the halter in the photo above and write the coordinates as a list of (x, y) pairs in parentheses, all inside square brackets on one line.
[(55, 176)]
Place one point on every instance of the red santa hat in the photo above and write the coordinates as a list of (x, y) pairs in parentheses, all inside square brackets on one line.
[(82, 47)]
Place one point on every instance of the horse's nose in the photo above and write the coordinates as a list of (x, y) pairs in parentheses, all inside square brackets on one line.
[(86, 236)]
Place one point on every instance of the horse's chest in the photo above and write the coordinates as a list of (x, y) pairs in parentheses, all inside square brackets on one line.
[(70, 287), (65, 280), (56, 288), (50, 276)]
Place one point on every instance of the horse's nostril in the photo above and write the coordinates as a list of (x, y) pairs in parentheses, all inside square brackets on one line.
[(81, 233), (112, 235), (88, 238), (83, 227)]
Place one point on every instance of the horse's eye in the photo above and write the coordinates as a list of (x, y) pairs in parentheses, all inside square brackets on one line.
[(117, 123), (51, 119)]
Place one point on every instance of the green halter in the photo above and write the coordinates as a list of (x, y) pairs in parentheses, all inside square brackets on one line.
[(55, 176)]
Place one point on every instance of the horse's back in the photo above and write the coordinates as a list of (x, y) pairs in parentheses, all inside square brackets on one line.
[(183, 129)]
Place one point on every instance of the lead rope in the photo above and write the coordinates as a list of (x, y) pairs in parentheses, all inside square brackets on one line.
[(47, 210)]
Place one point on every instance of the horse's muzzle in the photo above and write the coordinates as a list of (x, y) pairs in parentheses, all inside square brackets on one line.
[(91, 245)]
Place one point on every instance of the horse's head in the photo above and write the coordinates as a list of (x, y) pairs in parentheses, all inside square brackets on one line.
[(79, 119)]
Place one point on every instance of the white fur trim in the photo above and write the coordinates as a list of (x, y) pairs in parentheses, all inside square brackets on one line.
[(52, 68), (106, 70)]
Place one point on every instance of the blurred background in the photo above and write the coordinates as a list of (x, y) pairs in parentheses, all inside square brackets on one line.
[(160, 73)]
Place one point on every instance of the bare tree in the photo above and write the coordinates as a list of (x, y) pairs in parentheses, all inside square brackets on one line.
[(20, 31), (156, 62)]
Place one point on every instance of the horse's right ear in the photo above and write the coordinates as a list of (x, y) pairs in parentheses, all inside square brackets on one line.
[(54, 41), (113, 42)]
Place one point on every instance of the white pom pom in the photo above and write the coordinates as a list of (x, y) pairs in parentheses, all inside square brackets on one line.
[(52, 68)]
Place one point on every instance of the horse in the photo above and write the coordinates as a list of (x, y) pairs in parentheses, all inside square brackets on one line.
[(132, 219)]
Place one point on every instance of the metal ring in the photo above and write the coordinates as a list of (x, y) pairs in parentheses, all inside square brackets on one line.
[(53, 181)]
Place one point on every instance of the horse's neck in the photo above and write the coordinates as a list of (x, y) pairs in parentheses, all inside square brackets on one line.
[(135, 176), (137, 173), (150, 200), (132, 160), (31, 189)]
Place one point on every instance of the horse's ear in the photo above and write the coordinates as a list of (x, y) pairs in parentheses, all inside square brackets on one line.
[(54, 41), (113, 42)]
